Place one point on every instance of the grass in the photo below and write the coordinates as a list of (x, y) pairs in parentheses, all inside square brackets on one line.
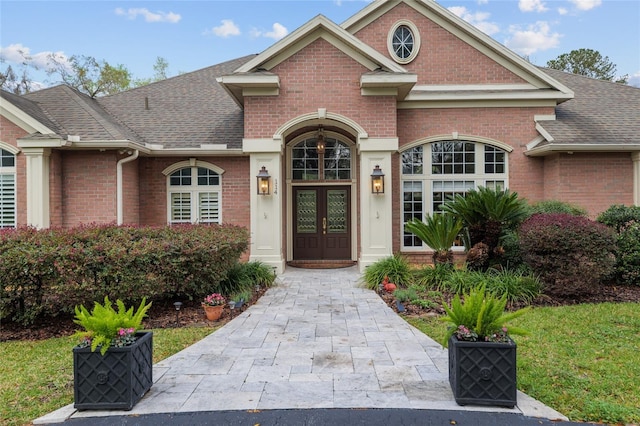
[(37, 376), (583, 360)]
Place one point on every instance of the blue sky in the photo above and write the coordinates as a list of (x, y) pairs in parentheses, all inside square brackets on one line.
[(194, 34)]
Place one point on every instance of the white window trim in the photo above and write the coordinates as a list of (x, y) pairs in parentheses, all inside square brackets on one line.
[(427, 180), (12, 171), (194, 190), (416, 41)]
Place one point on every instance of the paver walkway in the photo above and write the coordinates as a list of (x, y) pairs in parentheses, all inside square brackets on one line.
[(315, 340)]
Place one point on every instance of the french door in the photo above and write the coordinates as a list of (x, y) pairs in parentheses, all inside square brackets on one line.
[(322, 223)]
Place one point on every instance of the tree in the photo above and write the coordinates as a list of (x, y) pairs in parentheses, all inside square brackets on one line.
[(589, 63), (90, 76), (18, 82), (159, 73)]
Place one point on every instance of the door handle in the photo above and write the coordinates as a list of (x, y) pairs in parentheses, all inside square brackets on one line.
[(324, 225)]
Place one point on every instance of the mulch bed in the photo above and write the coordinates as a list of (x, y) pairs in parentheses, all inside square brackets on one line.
[(163, 314)]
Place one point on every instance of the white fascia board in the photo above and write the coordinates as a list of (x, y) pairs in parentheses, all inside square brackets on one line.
[(433, 95), (255, 80), (53, 142), (477, 103), (22, 119), (570, 148), (393, 84), (544, 132)]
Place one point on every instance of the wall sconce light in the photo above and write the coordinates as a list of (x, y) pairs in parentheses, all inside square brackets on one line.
[(377, 181), (264, 182), (320, 141)]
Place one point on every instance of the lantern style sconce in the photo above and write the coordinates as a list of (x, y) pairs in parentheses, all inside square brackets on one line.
[(264, 182), (320, 141), (377, 181)]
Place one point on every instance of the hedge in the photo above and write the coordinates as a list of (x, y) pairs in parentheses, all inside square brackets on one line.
[(46, 272)]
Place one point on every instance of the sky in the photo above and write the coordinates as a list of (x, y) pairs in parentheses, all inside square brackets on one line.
[(191, 35)]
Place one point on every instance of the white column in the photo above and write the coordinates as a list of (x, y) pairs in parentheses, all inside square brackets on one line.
[(37, 160), (266, 210), (636, 178), (376, 231)]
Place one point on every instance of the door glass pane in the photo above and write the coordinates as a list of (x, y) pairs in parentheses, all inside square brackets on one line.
[(336, 211), (306, 208)]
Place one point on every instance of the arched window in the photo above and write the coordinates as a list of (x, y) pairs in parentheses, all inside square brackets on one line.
[(313, 161), (195, 195), (435, 172), (7, 189)]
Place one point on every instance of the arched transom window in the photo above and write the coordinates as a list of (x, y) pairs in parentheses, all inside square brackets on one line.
[(195, 195), (435, 172), (7, 189), (312, 161)]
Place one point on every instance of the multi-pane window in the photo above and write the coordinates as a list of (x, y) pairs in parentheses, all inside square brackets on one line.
[(7, 189), (331, 162), (434, 173), (194, 196)]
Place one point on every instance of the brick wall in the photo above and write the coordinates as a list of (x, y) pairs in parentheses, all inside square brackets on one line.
[(130, 193), (235, 189), (443, 58), (593, 181), (319, 76), (9, 134), (88, 187)]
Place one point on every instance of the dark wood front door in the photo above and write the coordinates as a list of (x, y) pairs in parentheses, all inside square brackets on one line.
[(322, 223)]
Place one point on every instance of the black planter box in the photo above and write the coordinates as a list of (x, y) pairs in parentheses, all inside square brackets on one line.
[(483, 373), (115, 381)]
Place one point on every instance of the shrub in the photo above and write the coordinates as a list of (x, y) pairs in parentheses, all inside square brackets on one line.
[(439, 232), (555, 206), (626, 222), (46, 272), (516, 286), (432, 277), (395, 267), (244, 276), (619, 216), (571, 254), (487, 215)]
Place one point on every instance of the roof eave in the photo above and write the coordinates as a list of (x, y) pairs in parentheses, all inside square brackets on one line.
[(569, 148)]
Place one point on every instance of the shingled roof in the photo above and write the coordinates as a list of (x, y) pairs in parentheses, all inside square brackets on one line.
[(185, 111), (601, 113), (77, 114), (33, 109)]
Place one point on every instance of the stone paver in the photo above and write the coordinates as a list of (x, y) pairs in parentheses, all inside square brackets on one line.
[(315, 340)]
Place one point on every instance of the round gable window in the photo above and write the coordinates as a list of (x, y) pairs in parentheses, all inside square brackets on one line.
[(403, 42)]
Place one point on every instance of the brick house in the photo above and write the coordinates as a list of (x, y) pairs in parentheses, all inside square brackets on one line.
[(404, 88)]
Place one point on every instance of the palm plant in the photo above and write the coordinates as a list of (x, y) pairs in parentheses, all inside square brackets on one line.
[(439, 232), (487, 215)]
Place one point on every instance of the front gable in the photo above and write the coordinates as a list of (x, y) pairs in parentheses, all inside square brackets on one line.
[(455, 61)]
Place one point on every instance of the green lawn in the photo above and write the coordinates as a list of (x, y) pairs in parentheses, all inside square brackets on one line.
[(583, 360), (37, 377)]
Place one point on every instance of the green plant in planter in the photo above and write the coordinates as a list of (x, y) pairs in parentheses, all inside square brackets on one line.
[(481, 317), (105, 327)]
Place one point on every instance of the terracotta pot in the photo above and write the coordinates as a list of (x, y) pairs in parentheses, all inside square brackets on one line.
[(213, 312)]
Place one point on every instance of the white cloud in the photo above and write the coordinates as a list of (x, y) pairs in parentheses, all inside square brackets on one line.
[(562, 11), (149, 16), (19, 54), (634, 80), (536, 37), (483, 1), (478, 19), (228, 28), (586, 4), (532, 6), (278, 31)]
